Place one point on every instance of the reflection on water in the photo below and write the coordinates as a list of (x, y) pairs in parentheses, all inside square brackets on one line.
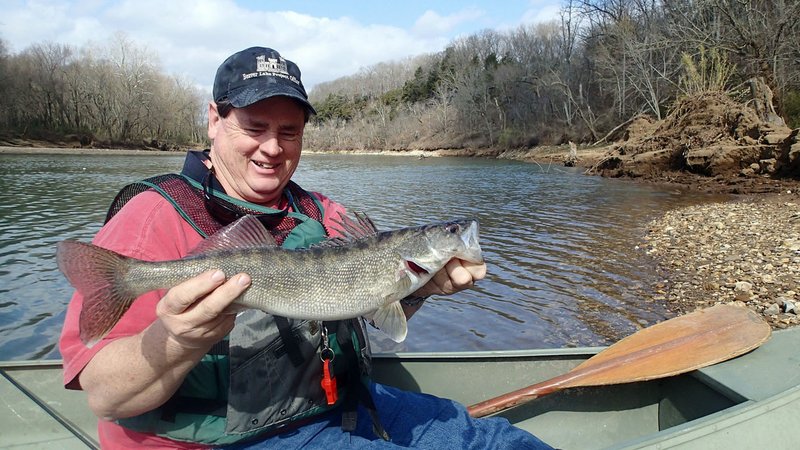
[(563, 268)]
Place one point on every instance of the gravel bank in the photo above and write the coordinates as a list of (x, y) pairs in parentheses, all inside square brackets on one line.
[(746, 251)]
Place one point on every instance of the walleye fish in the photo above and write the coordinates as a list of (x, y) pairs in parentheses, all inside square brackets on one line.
[(363, 273)]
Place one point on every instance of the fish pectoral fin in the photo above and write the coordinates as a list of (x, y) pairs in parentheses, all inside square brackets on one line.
[(391, 320)]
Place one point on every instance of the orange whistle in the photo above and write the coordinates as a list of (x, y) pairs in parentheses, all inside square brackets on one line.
[(328, 382)]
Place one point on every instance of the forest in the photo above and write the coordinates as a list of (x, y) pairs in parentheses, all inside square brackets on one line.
[(577, 78)]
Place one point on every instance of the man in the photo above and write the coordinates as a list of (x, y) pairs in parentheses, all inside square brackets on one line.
[(179, 370)]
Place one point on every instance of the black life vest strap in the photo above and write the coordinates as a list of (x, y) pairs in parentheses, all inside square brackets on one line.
[(200, 406), (290, 341), (221, 348), (357, 391)]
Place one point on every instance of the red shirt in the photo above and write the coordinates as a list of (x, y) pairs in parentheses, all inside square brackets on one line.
[(149, 228)]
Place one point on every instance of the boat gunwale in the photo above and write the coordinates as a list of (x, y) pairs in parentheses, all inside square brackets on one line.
[(714, 422), (6, 371), (570, 352)]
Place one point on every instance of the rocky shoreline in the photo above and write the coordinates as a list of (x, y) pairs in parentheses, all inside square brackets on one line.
[(745, 251)]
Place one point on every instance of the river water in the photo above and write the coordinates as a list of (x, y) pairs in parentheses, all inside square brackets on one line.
[(561, 247)]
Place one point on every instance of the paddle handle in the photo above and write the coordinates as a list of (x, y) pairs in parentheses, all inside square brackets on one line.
[(517, 397), (497, 404)]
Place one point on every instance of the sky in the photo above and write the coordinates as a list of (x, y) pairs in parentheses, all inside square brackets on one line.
[(328, 39)]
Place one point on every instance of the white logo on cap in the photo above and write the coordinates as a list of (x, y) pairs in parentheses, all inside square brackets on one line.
[(264, 64), (275, 67)]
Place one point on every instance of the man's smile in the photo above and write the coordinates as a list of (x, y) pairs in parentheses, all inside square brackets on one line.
[(264, 165)]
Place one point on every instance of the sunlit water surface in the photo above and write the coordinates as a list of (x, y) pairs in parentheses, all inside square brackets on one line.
[(561, 247)]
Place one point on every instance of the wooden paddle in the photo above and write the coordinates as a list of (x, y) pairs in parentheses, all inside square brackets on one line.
[(677, 345)]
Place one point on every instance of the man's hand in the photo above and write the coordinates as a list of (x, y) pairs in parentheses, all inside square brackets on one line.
[(456, 275), (194, 314)]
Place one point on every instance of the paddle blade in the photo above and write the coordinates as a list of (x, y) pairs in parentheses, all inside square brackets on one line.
[(675, 346)]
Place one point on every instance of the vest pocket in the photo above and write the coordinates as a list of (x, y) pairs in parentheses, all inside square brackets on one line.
[(266, 389)]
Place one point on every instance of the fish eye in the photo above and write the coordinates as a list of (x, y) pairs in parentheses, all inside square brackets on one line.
[(453, 228)]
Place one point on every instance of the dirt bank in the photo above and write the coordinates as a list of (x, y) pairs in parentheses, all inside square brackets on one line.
[(591, 158), (708, 142)]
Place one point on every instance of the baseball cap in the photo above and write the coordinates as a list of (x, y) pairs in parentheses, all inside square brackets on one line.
[(256, 73)]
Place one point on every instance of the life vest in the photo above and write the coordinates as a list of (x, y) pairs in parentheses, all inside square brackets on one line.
[(265, 376)]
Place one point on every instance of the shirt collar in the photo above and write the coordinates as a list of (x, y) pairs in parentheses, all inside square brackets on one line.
[(195, 168)]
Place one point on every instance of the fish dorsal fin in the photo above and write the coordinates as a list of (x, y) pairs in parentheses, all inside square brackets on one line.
[(349, 230), (246, 232), (360, 227)]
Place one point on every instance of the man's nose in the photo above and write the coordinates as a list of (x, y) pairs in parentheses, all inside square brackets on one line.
[(271, 145)]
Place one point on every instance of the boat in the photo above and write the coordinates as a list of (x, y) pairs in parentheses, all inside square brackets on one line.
[(752, 401)]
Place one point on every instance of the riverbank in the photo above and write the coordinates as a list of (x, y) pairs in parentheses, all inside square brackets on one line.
[(590, 158), (744, 251), (81, 151)]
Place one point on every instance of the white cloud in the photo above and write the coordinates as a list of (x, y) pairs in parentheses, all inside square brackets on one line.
[(37, 19), (433, 24), (192, 37), (541, 11)]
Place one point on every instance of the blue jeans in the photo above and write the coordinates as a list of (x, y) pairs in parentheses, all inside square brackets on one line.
[(412, 420)]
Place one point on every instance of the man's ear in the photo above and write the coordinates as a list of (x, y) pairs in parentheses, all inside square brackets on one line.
[(213, 120)]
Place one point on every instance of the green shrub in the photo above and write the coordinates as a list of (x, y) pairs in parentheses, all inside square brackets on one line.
[(791, 108)]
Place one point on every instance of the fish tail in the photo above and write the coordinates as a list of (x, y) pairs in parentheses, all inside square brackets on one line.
[(99, 275)]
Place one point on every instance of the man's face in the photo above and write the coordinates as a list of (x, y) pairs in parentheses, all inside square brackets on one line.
[(256, 149)]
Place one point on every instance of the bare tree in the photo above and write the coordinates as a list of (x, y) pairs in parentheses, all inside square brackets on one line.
[(759, 36), (443, 103), (633, 53)]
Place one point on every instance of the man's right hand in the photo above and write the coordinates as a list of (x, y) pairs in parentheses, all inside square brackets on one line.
[(194, 314)]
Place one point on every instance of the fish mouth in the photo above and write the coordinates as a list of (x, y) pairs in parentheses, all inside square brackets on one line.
[(416, 268), (469, 237)]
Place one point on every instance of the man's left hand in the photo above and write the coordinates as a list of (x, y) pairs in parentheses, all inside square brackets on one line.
[(456, 275)]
